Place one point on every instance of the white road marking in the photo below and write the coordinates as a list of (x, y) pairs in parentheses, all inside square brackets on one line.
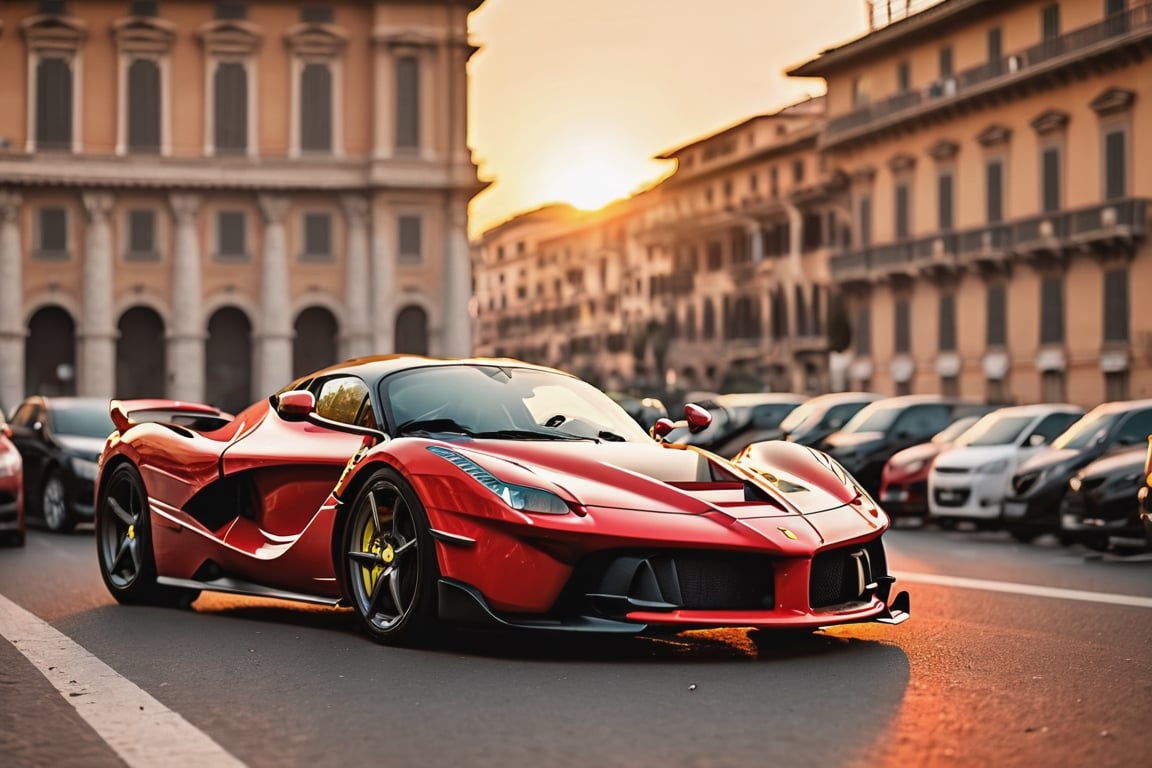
[(141, 730), (1023, 589)]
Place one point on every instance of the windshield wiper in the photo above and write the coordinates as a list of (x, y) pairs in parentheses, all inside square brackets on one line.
[(434, 425), (528, 434)]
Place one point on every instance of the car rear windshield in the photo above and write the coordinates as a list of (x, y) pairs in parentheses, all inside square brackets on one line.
[(874, 419), (82, 422), (1085, 431), (996, 430)]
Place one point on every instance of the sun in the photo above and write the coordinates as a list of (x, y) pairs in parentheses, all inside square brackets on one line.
[(589, 176)]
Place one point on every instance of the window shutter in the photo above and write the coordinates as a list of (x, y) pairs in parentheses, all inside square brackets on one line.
[(410, 238), (53, 104), (318, 235), (901, 211), (53, 231), (230, 237), (1115, 165), (994, 176), (407, 102), (144, 106), (947, 341), (997, 332), (316, 108), (1052, 310), (1051, 182), (903, 340), (231, 104), (1116, 305), (141, 233)]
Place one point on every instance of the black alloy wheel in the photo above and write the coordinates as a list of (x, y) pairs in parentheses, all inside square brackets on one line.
[(390, 562), (58, 515), (124, 544)]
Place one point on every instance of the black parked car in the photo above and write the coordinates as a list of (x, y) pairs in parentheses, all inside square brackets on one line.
[(822, 415), (864, 445), (1145, 495), (59, 439), (1100, 509), (1032, 506), (738, 420)]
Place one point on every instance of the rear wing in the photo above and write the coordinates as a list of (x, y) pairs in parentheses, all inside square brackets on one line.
[(197, 416)]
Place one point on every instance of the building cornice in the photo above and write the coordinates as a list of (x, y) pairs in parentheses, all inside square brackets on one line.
[(45, 32), (143, 34)]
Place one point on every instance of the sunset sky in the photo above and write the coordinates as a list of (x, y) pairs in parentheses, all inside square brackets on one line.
[(571, 99)]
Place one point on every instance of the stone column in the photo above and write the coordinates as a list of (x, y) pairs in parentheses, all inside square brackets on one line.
[(96, 376), (357, 279), (384, 112), (457, 323), (12, 328), (796, 240), (755, 242), (274, 341), (187, 335), (384, 288)]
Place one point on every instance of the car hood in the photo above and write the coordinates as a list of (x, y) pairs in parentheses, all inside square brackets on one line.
[(1121, 462), (84, 447), (652, 478), (972, 456)]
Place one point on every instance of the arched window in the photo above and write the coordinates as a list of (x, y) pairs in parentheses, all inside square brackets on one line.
[(412, 331)]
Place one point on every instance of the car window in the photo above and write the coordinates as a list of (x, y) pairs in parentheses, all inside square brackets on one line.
[(25, 416), (343, 399), (1135, 429), (996, 429), (1087, 430), (838, 415), (923, 420), (1054, 424), (768, 416), (81, 421)]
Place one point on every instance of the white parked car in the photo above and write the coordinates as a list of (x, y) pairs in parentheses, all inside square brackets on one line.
[(970, 481)]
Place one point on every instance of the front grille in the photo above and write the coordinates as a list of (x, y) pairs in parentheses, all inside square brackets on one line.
[(951, 497), (952, 470), (617, 583), (842, 575)]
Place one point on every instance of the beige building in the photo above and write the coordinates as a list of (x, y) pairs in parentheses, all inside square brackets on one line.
[(202, 200), (971, 197), (1000, 173), (714, 278)]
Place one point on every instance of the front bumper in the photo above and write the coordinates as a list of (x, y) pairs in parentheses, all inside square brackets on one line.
[(967, 496)]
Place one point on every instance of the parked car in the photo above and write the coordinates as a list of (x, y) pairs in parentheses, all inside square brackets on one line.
[(1145, 495), (739, 420), (534, 502), (904, 479), (820, 416), (11, 490), (864, 445), (60, 439), (644, 410), (1101, 508), (970, 481), (1032, 506)]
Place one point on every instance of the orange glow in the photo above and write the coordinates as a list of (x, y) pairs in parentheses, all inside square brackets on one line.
[(588, 173)]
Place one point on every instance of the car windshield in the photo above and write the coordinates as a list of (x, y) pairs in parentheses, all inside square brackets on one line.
[(955, 430), (996, 429), (798, 416), (82, 421), (874, 418), (505, 402), (1085, 431)]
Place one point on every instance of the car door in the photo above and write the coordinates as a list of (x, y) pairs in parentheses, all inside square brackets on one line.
[(27, 424), (293, 465)]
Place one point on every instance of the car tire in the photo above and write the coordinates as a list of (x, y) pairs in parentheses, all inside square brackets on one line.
[(54, 508), (1023, 535), (390, 562), (124, 544)]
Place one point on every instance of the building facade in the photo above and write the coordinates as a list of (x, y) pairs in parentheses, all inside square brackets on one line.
[(202, 200), (1000, 175), (965, 211)]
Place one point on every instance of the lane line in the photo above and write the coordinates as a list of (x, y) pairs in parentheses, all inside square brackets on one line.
[(1023, 589), (142, 731)]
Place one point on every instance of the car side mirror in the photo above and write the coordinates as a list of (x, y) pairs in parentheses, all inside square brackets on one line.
[(698, 417), (661, 428), (295, 405), (1036, 440)]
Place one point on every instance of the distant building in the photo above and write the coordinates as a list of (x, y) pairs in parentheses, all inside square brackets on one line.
[(967, 209), (201, 200), (999, 178)]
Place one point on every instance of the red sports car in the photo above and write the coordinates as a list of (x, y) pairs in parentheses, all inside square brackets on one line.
[(423, 491)]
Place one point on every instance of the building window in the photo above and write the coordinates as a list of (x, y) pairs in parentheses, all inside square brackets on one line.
[(994, 191), (997, 318), (231, 236), (143, 8), (946, 62), (407, 103), (708, 331), (230, 104), (1050, 179), (52, 7), (316, 14), (144, 106), (865, 223), (317, 237), (944, 201), (51, 234), (903, 330), (715, 255), (1115, 164), (774, 182), (1050, 22), (1116, 305), (316, 108), (1052, 389), (903, 77), (995, 45), (53, 103), (797, 171), (902, 216), (950, 386), (1052, 309), (947, 333), (141, 236), (862, 331), (996, 391), (231, 10), (411, 238), (1116, 386)]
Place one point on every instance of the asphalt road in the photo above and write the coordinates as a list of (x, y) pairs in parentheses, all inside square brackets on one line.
[(1015, 655)]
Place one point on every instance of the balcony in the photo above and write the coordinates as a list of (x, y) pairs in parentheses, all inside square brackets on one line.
[(1117, 35), (1116, 223)]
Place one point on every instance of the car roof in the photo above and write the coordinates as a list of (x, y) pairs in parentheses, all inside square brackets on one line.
[(68, 401), (757, 398), (377, 366), (1037, 409), (1123, 405)]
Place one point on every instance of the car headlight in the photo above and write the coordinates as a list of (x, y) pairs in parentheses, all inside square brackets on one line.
[(83, 468), (10, 463), (522, 498), (992, 467)]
